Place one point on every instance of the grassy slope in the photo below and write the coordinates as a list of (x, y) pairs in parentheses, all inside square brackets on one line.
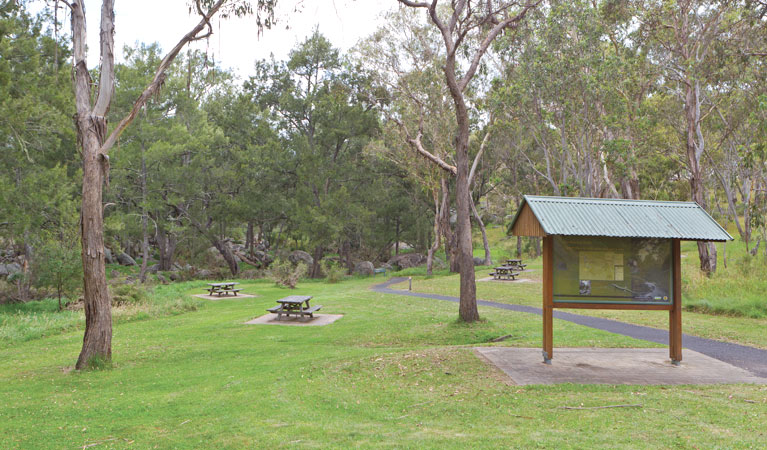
[(395, 371)]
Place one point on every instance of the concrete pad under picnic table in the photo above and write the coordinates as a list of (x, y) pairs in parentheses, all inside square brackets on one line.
[(317, 320), (223, 297), (518, 280), (646, 366)]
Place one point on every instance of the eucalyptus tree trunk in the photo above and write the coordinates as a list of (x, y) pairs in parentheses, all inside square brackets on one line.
[(91, 125), (488, 258), (144, 234), (695, 147), (226, 253), (166, 243), (95, 143), (316, 269), (490, 20), (437, 225)]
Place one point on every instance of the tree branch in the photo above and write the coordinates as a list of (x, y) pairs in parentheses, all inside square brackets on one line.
[(107, 72), (494, 32), (159, 77)]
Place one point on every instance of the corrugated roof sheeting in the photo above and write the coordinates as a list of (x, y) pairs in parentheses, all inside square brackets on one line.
[(625, 218)]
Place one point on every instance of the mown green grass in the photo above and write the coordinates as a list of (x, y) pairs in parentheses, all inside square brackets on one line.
[(395, 371)]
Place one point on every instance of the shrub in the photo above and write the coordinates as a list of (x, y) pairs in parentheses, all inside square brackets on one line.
[(125, 294), (284, 274), (334, 273)]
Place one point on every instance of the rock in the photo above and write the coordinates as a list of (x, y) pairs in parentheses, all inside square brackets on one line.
[(408, 260), (403, 246), (215, 255), (161, 278), (10, 269), (479, 261), (174, 276), (125, 259), (364, 268), (153, 268), (204, 274), (300, 256), (108, 256)]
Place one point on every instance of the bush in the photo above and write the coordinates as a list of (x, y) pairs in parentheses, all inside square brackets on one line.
[(334, 273), (128, 294), (284, 274)]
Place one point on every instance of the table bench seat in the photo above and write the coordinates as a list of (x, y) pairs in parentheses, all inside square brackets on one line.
[(507, 275), (294, 312)]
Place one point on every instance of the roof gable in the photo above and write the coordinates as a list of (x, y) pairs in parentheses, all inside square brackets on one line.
[(573, 216)]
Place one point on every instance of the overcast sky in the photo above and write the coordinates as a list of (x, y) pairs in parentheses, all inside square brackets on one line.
[(236, 43)]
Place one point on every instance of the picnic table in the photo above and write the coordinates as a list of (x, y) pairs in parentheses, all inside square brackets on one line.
[(224, 288), (294, 305), (506, 272), (516, 263)]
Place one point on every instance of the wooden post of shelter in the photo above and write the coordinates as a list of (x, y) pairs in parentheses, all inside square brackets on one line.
[(675, 314), (548, 300)]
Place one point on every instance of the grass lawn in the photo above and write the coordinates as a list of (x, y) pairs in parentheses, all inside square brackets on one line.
[(394, 372)]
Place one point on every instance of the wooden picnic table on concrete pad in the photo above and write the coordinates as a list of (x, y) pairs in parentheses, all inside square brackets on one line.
[(294, 305), (507, 272), (224, 288), (516, 263)]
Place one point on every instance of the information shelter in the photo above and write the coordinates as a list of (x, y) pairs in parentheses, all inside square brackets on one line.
[(613, 254)]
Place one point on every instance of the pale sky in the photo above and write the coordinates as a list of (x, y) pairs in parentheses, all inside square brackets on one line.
[(235, 43)]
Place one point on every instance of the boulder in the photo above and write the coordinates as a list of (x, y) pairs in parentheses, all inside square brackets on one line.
[(479, 261), (125, 259), (108, 257), (161, 278), (204, 274), (300, 256), (13, 268), (408, 260), (364, 268), (174, 276), (215, 255), (153, 268)]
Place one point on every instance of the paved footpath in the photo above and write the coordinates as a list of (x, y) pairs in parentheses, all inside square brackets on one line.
[(749, 358)]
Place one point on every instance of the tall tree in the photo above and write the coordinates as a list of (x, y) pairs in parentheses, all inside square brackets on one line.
[(316, 101), (459, 21), (686, 33), (95, 142)]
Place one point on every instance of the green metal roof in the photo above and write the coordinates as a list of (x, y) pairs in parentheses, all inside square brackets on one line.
[(623, 218)]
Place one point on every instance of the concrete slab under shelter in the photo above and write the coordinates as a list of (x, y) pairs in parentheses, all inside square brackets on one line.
[(646, 366), (317, 320), (224, 297)]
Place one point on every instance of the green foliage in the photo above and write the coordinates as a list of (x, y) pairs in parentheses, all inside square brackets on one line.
[(283, 273), (128, 294), (334, 273), (58, 265)]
